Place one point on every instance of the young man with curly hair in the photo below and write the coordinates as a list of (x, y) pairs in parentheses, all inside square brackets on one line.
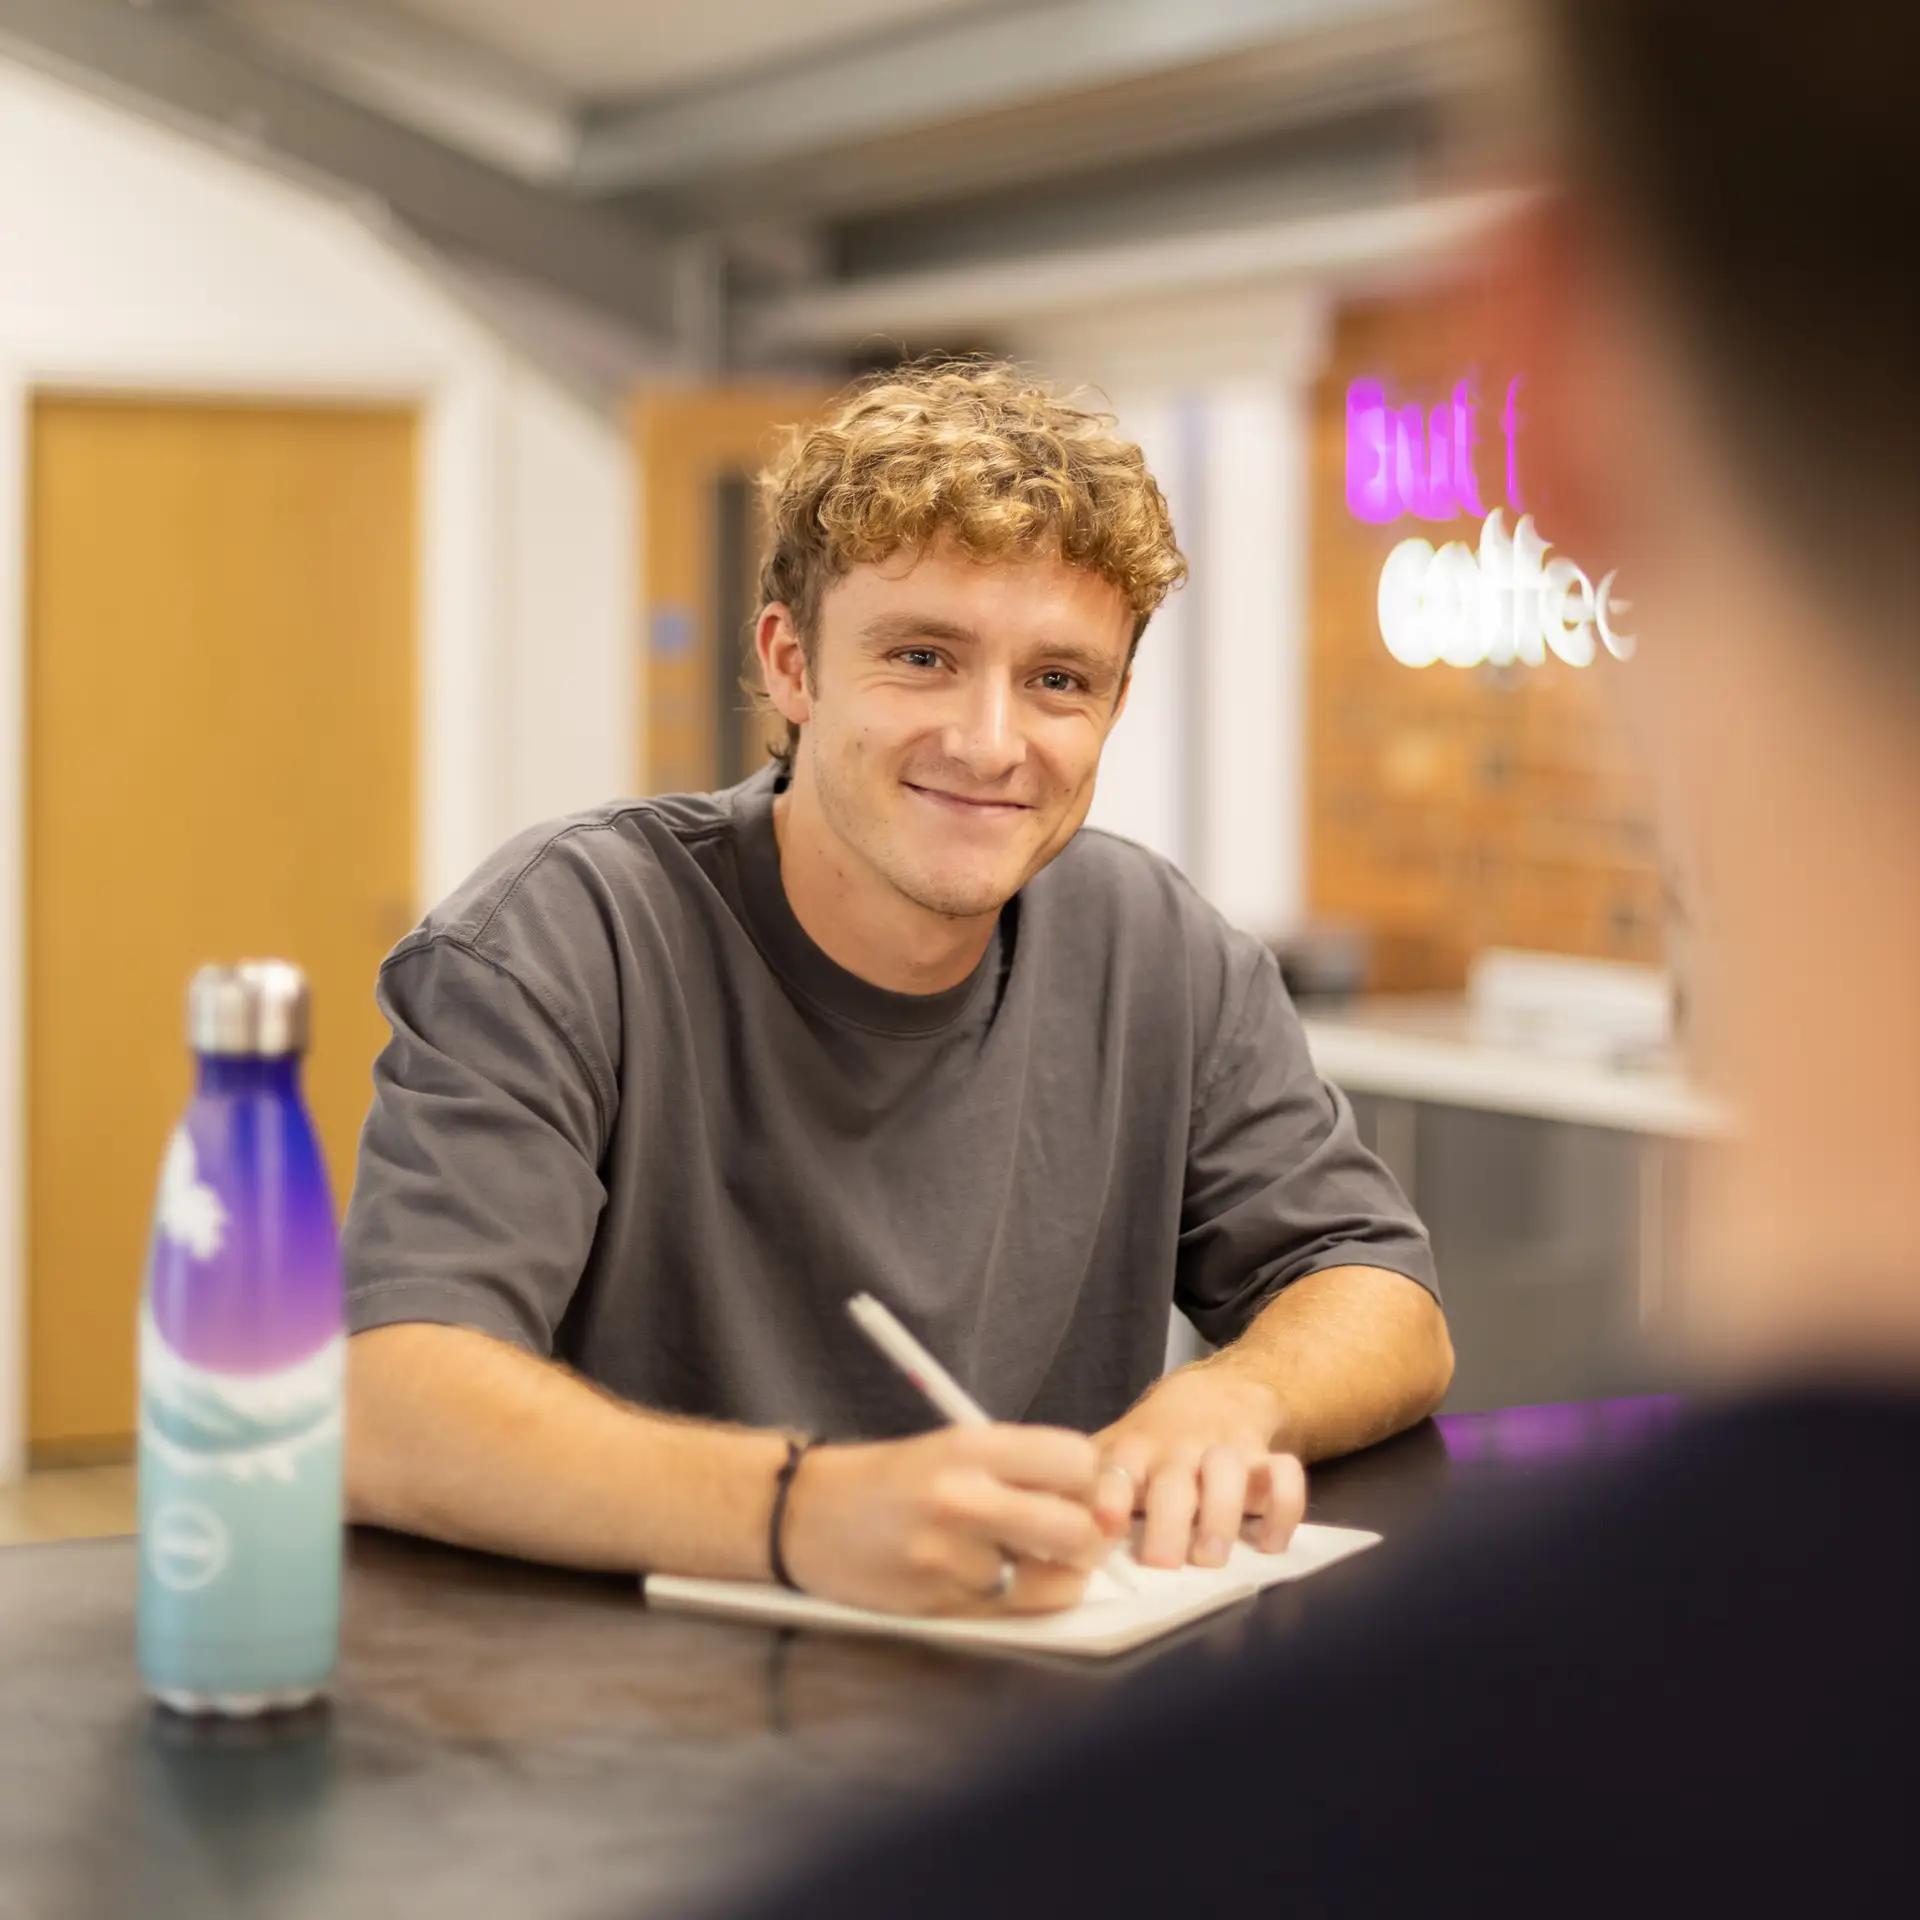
[(669, 1081)]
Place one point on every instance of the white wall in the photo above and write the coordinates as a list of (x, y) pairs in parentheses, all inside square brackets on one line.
[(1208, 764), (1143, 789), (132, 257), (570, 600), (1253, 546)]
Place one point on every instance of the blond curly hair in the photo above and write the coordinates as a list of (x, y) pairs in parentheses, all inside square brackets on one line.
[(975, 452)]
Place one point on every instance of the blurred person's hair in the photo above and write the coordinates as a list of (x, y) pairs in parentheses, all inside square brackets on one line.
[(975, 454), (1763, 158)]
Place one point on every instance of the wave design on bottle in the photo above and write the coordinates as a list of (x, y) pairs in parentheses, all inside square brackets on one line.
[(238, 1426)]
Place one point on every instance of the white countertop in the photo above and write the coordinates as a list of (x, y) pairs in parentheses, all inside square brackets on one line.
[(1428, 1048)]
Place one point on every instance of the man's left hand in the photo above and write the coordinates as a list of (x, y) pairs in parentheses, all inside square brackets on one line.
[(1196, 1457)]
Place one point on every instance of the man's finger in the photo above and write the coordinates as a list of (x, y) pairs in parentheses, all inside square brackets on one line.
[(1115, 1499), (1124, 1479), (980, 1576), (1173, 1498), (1034, 1586), (1223, 1502), (1029, 1525), (1259, 1487), (1286, 1502), (1041, 1587), (1048, 1459)]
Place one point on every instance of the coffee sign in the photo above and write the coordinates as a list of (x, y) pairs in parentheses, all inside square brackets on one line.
[(1511, 601)]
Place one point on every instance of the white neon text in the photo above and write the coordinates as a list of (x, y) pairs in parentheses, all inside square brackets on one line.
[(1509, 602)]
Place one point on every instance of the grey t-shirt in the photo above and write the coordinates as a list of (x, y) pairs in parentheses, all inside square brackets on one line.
[(633, 1117)]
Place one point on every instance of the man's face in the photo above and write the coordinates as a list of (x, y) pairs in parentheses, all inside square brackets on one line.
[(955, 713)]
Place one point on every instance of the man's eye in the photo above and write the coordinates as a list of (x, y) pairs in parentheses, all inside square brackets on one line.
[(919, 656), (1058, 680)]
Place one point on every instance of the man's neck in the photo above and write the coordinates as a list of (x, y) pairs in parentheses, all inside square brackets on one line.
[(859, 920)]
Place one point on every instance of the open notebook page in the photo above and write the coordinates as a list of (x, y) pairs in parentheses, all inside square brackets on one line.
[(1107, 1621)]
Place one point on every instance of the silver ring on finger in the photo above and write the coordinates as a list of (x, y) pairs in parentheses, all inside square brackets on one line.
[(1008, 1574)]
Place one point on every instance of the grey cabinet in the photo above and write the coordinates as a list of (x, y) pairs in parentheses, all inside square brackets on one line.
[(1553, 1242)]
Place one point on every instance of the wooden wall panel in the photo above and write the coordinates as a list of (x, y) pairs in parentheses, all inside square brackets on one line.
[(1450, 809)]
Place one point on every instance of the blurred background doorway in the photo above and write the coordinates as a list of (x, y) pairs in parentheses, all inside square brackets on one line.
[(700, 450)]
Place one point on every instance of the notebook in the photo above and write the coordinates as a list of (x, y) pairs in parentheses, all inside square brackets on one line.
[(1108, 1621)]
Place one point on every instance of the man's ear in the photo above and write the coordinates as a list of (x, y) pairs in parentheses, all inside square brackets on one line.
[(1120, 701), (783, 663)]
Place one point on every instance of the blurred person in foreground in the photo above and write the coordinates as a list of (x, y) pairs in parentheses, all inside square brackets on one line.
[(670, 1080), (1690, 1681)]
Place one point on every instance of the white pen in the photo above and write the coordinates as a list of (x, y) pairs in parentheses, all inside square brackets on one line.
[(946, 1395)]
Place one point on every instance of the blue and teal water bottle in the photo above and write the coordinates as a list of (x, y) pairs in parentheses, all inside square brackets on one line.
[(242, 1360)]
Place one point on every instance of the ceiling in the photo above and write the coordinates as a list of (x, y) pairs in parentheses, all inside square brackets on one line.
[(683, 169), (597, 49)]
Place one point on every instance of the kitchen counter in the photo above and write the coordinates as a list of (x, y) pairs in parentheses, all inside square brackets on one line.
[(1433, 1049)]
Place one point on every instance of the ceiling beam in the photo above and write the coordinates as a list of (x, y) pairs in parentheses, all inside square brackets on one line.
[(956, 304), (433, 81), (981, 62), (164, 62)]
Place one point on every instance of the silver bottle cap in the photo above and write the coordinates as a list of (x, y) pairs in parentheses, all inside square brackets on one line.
[(258, 1007)]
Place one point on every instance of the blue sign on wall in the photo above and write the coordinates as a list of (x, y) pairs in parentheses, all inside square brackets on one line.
[(672, 635)]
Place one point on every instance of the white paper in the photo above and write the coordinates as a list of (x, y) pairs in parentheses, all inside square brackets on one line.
[(1107, 1621)]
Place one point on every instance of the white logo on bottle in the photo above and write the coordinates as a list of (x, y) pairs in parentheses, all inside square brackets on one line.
[(187, 1546), (191, 1214)]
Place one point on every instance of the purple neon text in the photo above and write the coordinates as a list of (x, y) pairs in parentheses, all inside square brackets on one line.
[(1407, 460)]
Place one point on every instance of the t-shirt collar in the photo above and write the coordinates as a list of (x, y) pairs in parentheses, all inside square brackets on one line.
[(792, 952)]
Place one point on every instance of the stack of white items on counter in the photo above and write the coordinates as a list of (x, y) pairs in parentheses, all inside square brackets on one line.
[(1602, 1010)]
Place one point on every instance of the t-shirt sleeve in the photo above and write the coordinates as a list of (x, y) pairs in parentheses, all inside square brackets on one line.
[(477, 1191), (1278, 1182)]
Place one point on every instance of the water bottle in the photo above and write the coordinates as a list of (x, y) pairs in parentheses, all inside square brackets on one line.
[(242, 1361)]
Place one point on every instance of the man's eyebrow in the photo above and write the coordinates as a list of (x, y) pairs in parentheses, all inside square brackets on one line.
[(890, 629), (1094, 662)]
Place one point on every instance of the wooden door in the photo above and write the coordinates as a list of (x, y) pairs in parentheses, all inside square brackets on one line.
[(698, 452), (220, 765)]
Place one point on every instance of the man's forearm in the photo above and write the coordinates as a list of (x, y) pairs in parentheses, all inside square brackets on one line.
[(1350, 1354), (468, 1440)]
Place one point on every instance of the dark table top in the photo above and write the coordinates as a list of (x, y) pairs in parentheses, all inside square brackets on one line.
[(504, 1739)]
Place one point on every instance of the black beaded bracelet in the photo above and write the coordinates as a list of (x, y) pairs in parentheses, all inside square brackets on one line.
[(797, 1450)]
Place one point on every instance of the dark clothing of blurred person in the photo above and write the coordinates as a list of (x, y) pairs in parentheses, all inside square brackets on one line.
[(1691, 1685), (1690, 1682)]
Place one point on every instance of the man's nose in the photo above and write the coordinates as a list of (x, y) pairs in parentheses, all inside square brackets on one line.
[(983, 734)]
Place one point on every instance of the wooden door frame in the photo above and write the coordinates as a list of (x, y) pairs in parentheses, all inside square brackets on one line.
[(459, 507)]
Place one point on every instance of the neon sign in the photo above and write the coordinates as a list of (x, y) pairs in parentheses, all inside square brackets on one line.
[(1507, 603)]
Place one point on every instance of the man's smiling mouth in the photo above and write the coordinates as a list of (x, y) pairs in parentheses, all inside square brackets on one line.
[(964, 802)]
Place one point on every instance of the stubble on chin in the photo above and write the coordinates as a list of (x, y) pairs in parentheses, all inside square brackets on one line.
[(887, 845), (951, 899), (896, 853)]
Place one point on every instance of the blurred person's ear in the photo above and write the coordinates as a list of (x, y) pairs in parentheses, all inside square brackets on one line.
[(1562, 329)]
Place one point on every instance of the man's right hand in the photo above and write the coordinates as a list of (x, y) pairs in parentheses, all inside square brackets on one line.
[(926, 1525)]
